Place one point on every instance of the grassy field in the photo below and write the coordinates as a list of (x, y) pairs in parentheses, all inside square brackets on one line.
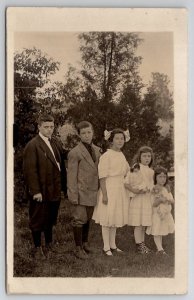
[(64, 264)]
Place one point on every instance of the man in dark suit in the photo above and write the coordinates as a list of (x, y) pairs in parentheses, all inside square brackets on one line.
[(45, 178)]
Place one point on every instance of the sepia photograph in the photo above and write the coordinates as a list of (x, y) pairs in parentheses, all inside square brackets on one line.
[(97, 151)]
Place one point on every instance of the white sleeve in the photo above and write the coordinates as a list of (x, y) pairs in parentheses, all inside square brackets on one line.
[(103, 166)]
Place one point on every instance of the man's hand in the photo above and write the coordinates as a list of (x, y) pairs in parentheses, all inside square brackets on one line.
[(38, 197)]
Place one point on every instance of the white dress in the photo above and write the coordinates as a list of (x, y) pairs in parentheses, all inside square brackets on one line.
[(162, 220), (113, 166), (140, 208)]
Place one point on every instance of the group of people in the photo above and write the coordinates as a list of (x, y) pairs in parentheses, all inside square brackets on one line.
[(102, 187)]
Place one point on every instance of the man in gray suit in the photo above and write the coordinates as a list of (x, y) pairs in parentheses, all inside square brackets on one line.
[(82, 186)]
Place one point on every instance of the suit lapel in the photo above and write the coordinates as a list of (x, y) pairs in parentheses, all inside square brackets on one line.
[(97, 155), (46, 150), (86, 155)]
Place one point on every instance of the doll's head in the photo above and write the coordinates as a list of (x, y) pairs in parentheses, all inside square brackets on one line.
[(145, 156), (160, 176), (135, 168)]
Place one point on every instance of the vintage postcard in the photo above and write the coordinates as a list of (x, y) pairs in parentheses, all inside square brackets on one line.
[(96, 150)]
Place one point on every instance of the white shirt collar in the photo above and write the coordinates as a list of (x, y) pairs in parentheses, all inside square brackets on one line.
[(43, 137)]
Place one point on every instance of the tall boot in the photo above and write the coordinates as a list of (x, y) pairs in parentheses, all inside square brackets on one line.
[(79, 252), (85, 232)]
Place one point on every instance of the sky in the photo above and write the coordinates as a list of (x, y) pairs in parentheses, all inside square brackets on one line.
[(156, 51)]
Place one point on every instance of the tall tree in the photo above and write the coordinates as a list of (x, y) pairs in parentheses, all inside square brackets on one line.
[(159, 88), (159, 94), (109, 71), (109, 62), (32, 70)]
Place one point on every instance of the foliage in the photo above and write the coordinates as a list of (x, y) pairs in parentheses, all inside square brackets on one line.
[(109, 62), (159, 87), (110, 93), (32, 70), (161, 108), (107, 91)]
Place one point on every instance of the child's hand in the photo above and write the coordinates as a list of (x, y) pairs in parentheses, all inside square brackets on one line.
[(105, 200)]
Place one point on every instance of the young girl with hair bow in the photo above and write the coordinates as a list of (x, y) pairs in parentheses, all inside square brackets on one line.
[(111, 210), (140, 207)]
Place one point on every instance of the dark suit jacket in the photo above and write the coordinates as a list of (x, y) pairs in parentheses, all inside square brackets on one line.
[(82, 176), (41, 172)]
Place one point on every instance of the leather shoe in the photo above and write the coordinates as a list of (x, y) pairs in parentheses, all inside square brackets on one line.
[(38, 253), (80, 253), (87, 248)]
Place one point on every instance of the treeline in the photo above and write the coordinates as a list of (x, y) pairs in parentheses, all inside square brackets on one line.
[(107, 90)]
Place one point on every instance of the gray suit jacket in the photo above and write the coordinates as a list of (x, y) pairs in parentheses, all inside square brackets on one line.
[(82, 176)]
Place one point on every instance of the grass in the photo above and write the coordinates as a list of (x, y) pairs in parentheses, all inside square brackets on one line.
[(64, 264)]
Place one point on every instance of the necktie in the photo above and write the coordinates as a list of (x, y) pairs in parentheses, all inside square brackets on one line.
[(91, 151)]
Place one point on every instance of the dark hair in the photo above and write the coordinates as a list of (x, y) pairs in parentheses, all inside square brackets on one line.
[(45, 118), (158, 171), (83, 124), (144, 149), (116, 131), (134, 166)]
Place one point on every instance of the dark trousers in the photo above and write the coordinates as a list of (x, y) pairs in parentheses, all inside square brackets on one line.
[(81, 216), (43, 215)]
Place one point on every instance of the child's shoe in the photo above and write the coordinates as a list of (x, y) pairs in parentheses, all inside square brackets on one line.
[(142, 248), (116, 250), (161, 252), (107, 252)]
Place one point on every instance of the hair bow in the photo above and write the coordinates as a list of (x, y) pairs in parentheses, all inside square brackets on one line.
[(127, 135), (107, 134)]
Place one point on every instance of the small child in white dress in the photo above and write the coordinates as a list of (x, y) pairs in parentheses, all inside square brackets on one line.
[(162, 199), (112, 206)]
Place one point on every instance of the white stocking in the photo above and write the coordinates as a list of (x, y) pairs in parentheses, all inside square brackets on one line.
[(105, 237), (138, 234), (158, 242), (113, 237)]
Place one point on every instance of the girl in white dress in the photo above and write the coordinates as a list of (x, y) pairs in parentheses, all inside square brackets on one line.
[(162, 199), (111, 210), (140, 208)]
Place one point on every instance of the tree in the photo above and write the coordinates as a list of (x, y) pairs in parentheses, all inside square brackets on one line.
[(109, 62), (159, 86), (109, 71), (32, 70), (162, 110)]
